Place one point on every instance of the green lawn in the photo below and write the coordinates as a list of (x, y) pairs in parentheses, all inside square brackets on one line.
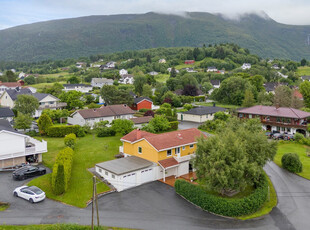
[(89, 151), (55, 227), (292, 147), (162, 77), (65, 74), (43, 85), (303, 70), (217, 104)]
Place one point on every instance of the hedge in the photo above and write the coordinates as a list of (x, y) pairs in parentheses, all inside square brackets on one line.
[(224, 206), (70, 140), (174, 125), (105, 132), (65, 158), (291, 162), (63, 130)]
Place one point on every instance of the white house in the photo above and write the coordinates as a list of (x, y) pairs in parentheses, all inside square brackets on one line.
[(200, 114), (305, 78), (216, 84), (212, 69), (162, 61), (126, 79), (122, 72), (140, 121), (17, 148), (104, 113), (46, 101), (282, 75), (169, 70), (153, 73), (6, 113), (191, 70), (8, 85), (99, 82), (77, 87), (21, 75), (246, 66), (109, 65)]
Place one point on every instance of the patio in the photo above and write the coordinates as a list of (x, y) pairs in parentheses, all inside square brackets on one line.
[(171, 179)]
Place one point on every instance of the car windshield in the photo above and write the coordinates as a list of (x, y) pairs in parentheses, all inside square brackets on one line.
[(36, 190)]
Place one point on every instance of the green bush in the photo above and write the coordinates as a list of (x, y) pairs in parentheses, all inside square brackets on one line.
[(65, 158), (105, 132), (32, 133), (174, 125), (298, 137), (224, 206), (304, 141), (291, 162), (44, 122), (143, 110), (80, 132), (63, 130), (70, 140), (59, 184), (188, 106), (200, 98)]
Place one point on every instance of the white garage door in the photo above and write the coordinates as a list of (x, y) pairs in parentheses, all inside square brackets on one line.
[(147, 175), (129, 180)]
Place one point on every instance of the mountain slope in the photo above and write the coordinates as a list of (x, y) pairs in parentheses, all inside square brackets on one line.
[(84, 36)]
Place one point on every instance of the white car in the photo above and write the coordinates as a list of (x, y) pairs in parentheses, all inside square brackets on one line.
[(33, 194)]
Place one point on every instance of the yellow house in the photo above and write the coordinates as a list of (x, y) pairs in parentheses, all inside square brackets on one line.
[(172, 151)]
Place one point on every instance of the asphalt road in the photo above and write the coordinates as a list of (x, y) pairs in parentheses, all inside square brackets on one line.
[(157, 206)]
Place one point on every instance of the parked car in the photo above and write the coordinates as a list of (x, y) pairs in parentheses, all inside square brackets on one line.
[(289, 137), (28, 171), (269, 134), (278, 136), (33, 194)]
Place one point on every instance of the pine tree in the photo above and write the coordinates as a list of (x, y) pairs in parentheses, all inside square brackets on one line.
[(248, 100), (59, 183), (44, 123)]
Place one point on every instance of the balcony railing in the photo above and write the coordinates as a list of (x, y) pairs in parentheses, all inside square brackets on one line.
[(50, 106), (30, 150), (275, 123)]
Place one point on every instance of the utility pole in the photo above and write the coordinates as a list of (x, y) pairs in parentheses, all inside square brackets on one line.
[(96, 197), (94, 202)]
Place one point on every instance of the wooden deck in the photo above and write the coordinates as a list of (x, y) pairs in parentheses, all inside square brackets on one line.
[(170, 180)]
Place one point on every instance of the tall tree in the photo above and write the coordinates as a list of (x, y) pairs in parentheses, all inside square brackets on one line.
[(72, 98), (147, 91), (190, 90), (303, 62), (73, 80), (22, 121), (282, 96), (112, 96), (139, 82), (44, 122), (173, 72), (122, 126), (10, 76), (248, 100), (305, 91), (26, 104)]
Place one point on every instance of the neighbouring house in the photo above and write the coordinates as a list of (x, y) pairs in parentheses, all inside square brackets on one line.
[(150, 157), (189, 62), (153, 73), (8, 85), (142, 103), (298, 95), (169, 70), (6, 113), (46, 101), (212, 69), (83, 88), (190, 70), (282, 75), (275, 66), (140, 121), (21, 75), (221, 71), (216, 84), (282, 119), (246, 66), (104, 113), (271, 86), (99, 82), (200, 114), (162, 61), (126, 79), (80, 64), (305, 78), (122, 72), (32, 89), (17, 148), (109, 65)]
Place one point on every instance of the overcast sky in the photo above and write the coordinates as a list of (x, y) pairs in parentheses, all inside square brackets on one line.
[(18, 12)]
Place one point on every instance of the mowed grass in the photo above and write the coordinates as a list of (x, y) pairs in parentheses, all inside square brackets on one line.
[(55, 227), (43, 85), (89, 151), (292, 147), (217, 104), (303, 70), (162, 77)]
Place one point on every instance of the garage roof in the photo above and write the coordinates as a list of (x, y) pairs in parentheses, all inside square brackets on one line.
[(125, 165)]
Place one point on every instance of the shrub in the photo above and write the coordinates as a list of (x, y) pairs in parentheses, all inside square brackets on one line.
[(105, 132), (291, 162), (93, 106), (224, 206), (122, 126), (80, 132), (149, 113), (44, 123), (143, 110), (188, 106), (63, 130), (59, 185), (174, 125), (200, 98), (298, 137), (70, 140), (32, 133)]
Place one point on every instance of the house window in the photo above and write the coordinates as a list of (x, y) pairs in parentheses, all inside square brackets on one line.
[(106, 173), (183, 147), (169, 153), (278, 119), (240, 115), (100, 170), (288, 130), (250, 115), (191, 146), (140, 150), (113, 176)]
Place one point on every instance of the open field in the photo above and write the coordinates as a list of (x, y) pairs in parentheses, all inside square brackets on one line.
[(218, 105), (162, 77), (89, 151), (303, 70)]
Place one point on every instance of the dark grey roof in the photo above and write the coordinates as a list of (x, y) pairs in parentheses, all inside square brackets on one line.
[(204, 110), (139, 99), (132, 94), (6, 112), (125, 165), (40, 96), (5, 125), (305, 77), (271, 86), (13, 93), (215, 82)]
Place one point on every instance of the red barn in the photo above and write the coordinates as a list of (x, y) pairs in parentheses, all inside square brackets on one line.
[(142, 103), (189, 62)]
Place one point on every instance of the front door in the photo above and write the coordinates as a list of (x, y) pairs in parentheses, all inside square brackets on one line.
[(177, 152), (181, 117)]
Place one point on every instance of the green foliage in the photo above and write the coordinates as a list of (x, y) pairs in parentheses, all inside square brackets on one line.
[(225, 206), (298, 137), (22, 121), (73, 80), (72, 98), (291, 162), (113, 96), (70, 140), (158, 124), (248, 100), (30, 80), (305, 91), (165, 109), (57, 114), (188, 106), (282, 96), (105, 132), (93, 106), (212, 126), (59, 184), (44, 122), (122, 126), (174, 125), (55, 90), (139, 82), (63, 130), (147, 91), (26, 104)]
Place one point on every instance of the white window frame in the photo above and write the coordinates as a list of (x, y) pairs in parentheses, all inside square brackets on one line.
[(140, 148), (168, 155), (106, 173)]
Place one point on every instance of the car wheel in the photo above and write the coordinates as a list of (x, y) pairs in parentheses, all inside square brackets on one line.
[(31, 200), (15, 194)]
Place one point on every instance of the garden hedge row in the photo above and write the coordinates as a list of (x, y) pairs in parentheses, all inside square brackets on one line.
[(63, 130), (65, 158), (70, 140), (224, 206)]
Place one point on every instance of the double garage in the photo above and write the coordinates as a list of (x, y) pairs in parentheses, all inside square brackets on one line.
[(127, 172)]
